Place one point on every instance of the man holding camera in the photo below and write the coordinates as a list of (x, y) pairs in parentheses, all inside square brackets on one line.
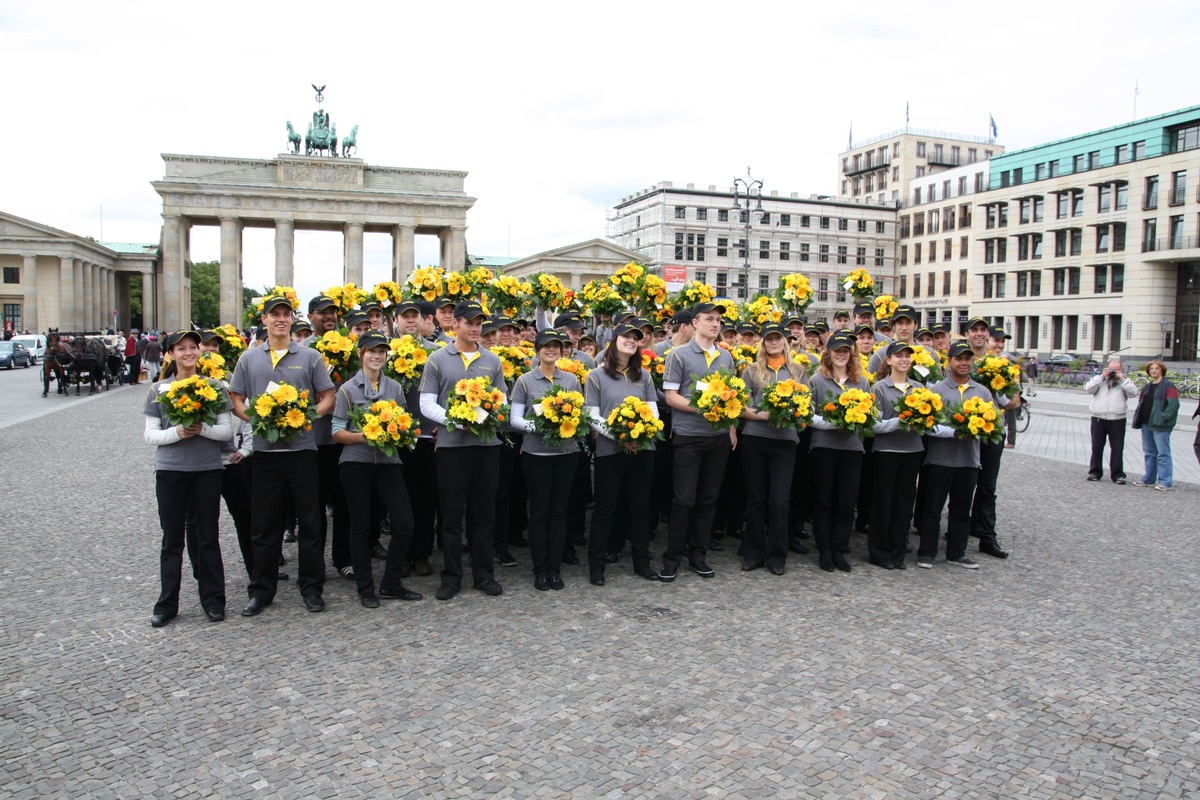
[(1110, 391)]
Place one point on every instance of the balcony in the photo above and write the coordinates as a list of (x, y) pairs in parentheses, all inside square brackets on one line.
[(937, 160), (1177, 243), (1172, 249), (865, 165), (1178, 196)]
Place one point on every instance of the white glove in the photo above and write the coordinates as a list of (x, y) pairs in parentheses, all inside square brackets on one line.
[(820, 424), (887, 426), (941, 432)]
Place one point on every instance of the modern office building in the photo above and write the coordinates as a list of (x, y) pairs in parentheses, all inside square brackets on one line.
[(702, 232), (1090, 245)]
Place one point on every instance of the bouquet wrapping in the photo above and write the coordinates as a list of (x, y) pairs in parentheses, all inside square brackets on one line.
[(919, 410), (925, 368), (859, 283)]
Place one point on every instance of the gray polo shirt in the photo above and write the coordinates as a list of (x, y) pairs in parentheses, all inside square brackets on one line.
[(412, 398), (357, 393), (607, 393), (445, 368), (528, 390), (684, 365), (757, 386), (194, 454), (322, 427), (823, 389), (583, 358), (957, 452), (900, 441), (301, 367)]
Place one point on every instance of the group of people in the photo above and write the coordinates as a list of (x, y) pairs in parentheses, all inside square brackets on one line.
[(754, 480)]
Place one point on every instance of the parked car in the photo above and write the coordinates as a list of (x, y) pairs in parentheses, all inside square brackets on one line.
[(1064, 360), (13, 354), (34, 343)]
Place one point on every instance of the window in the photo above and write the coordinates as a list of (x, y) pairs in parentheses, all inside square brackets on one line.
[(962, 281), (1022, 284), (1052, 168), (1018, 175), (935, 218), (860, 256), (680, 212), (741, 248), (1039, 170), (1076, 241), (1117, 284), (1073, 280), (1039, 209), (870, 187), (919, 224), (972, 155), (903, 285), (1185, 138), (784, 251), (880, 226), (989, 251), (903, 255), (722, 247), (1150, 198), (1077, 203), (978, 181), (699, 246), (1176, 230), (1003, 220), (1102, 238), (1063, 204), (1077, 163), (930, 284), (917, 196), (804, 252), (843, 224), (1060, 282), (1035, 284), (702, 213), (963, 246), (920, 172), (1149, 233), (1023, 248), (987, 287), (1001, 251), (1005, 178), (679, 247), (1178, 188), (862, 226), (1026, 210), (946, 282), (917, 283), (920, 149), (879, 256), (917, 253), (1000, 279), (962, 184), (764, 249), (932, 252), (805, 221), (785, 220), (12, 274), (722, 215), (722, 281), (1121, 154), (1093, 159), (895, 173), (824, 223), (764, 281), (841, 254), (1118, 237), (1139, 151), (743, 216), (823, 289), (991, 216), (947, 249), (1101, 278), (1060, 244), (823, 254), (904, 227), (1122, 202)]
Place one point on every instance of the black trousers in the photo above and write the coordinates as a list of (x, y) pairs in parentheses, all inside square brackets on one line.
[(179, 492), (731, 502), (509, 466), (467, 479), (956, 484), (135, 368), (1113, 432), (548, 481), (420, 476), (518, 497), (362, 482), (579, 497), (801, 500), (278, 476), (983, 509), (862, 514), (767, 468), (333, 498), (663, 481), (622, 481), (834, 475), (893, 492), (699, 465), (237, 503)]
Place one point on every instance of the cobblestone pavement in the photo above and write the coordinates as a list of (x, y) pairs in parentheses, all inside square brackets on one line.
[(1069, 670)]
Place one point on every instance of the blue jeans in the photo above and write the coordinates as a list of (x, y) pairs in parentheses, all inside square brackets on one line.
[(1156, 445)]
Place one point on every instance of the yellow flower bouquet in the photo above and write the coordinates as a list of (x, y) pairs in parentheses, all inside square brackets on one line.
[(341, 356), (513, 361), (853, 411), (508, 295), (600, 297), (998, 374), (656, 365), (762, 310), (788, 404), (859, 283), (425, 283), (865, 361), (720, 397), (919, 410), (632, 425), (346, 297), (387, 293), (386, 426), (743, 356), (807, 359), (926, 367), (255, 309), (478, 407), (574, 367), (885, 306), (191, 400), (406, 359), (280, 412), (795, 293), (693, 292), (548, 291), (212, 365), (975, 419), (732, 314), (231, 344), (558, 416), (469, 285)]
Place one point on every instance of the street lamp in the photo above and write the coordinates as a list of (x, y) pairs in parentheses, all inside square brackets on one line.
[(751, 189), (1162, 339)]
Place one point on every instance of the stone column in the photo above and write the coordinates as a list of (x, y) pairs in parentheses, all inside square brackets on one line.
[(110, 298), (285, 249), (353, 261), (85, 299), (29, 314), (97, 297), (121, 291), (458, 247), (65, 319), (231, 270), (175, 235), (77, 294), (404, 252), (149, 306)]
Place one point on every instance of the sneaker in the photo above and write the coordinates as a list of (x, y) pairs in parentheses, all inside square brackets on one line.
[(505, 559), (924, 563), (1093, 477), (1119, 481), (963, 562), (289, 535), (668, 573), (1141, 483), (490, 587), (1162, 488), (347, 573), (701, 568)]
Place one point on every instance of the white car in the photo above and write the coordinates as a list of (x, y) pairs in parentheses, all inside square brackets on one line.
[(35, 344)]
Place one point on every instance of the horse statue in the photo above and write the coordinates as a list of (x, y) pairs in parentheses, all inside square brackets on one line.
[(89, 363), (293, 139), (55, 363), (322, 135), (350, 142), (333, 140)]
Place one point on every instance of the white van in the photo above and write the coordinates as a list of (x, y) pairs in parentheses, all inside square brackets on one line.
[(35, 344)]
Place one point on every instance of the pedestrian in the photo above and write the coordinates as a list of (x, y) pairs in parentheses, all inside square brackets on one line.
[(1111, 391), (1156, 414), (980, 334), (133, 363), (187, 464), (153, 358)]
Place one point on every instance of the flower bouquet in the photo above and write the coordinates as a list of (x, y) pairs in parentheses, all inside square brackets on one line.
[(731, 310), (794, 293), (477, 407), (191, 400), (212, 365), (508, 294), (655, 365), (558, 416), (231, 344), (853, 411), (513, 361), (387, 293), (548, 291), (627, 278), (885, 306), (807, 359), (998, 374), (599, 297), (632, 425), (386, 426), (346, 297), (279, 412), (255, 309), (720, 397), (693, 292), (975, 418), (341, 356), (762, 310), (865, 361), (859, 283), (667, 311), (925, 367), (788, 404), (406, 359), (650, 295), (467, 285), (919, 410), (425, 283), (743, 356), (573, 367)]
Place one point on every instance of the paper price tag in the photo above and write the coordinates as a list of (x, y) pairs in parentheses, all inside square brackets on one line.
[(537, 409), (163, 388), (480, 414), (272, 386), (701, 386), (848, 285), (922, 371)]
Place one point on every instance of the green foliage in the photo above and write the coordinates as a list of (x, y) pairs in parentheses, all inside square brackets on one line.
[(135, 303), (206, 294), (248, 296)]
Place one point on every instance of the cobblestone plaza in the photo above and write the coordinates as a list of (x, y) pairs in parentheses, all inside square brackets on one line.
[(1069, 670)]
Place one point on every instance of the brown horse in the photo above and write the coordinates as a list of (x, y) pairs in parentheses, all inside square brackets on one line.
[(57, 359)]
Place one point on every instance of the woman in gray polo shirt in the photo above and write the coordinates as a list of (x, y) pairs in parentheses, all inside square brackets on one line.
[(549, 469), (188, 470)]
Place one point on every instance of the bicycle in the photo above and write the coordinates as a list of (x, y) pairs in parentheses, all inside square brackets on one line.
[(1021, 416)]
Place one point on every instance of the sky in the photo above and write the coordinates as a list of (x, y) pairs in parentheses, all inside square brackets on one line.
[(556, 110)]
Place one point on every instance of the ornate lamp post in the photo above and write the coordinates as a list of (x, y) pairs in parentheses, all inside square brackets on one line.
[(748, 189)]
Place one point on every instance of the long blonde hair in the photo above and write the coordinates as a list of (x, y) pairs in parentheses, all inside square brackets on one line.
[(759, 368)]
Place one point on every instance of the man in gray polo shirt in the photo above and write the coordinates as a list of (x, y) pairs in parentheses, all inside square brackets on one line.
[(699, 451), (287, 466), (468, 468)]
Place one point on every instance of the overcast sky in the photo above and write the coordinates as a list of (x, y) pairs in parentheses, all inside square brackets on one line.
[(556, 110)]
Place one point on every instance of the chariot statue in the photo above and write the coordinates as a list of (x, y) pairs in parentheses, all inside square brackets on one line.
[(322, 132)]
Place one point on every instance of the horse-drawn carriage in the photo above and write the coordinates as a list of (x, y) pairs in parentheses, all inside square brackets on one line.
[(84, 357)]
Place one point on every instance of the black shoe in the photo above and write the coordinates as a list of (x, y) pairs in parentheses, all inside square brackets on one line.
[(899, 565), (490, 587), (254, 607), (668, 573), (445, 592), (701, 568), (596, 578), (993, 549), (378, 552), (884, 564), (368, 600), (839, 561), (400, 593), (795, 546), (647, 573), (422, 567), (289, 535), (1119, 481), (556, 581), (541, 583), (215, 614), (158, 620), (1093, 477), (862, 527), (517, 540), (571, 560), (751, 564), (826, 561), (716, 546), (281, 576), (612, 558), (776, 569), (505, 559), (314, 603)]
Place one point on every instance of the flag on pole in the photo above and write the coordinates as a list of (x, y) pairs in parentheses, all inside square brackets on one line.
[(850, 140), (992, 122), (906, 114)]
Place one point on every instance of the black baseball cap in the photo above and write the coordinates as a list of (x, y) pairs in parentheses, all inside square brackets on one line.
[(210, 334), (747, 327), (568, 319), (774, 329), (704, 308), (973, 321), (922, 332), (585, 336), (506, 322), (371, 305), (260, 334), (468, 309), (897, 346), (790, 320), (442, 302), (276, 300), (356, 317), (626, 329), (683, 317), (301, 325), (939, 327), (812, 329), (863, 328), (490, 326), (840, 339), (373, 339), (883, 324), (728, 326), (960, 346), (841, 312), (408, 305), (864, 307), (998, 333), (642, 322), (179, 336), (319, 303), (906, 311), (822, 326), (550, 336)]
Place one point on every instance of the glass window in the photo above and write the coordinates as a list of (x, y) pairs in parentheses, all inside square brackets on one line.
[(702, 213), (1139, 150), (962, 281), (1073, 274), (1150, 198), (804, 252), (722, 247), (920, 149), (680, 212), (12, 274), (1117, 284), (785, 220), (841, 254), (722, 215), (963, 246), (785, 251), (1122, 201), (1077, 203), (879, 256), (1105, 198), (1101, 278), (764, 249), (825, 223)]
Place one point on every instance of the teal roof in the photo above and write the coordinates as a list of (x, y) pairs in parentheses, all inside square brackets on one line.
[(131, 248), (492, 261)]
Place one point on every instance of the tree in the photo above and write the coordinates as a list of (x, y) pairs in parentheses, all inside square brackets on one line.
[(206, 294), (248, 296), (135, 303)]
